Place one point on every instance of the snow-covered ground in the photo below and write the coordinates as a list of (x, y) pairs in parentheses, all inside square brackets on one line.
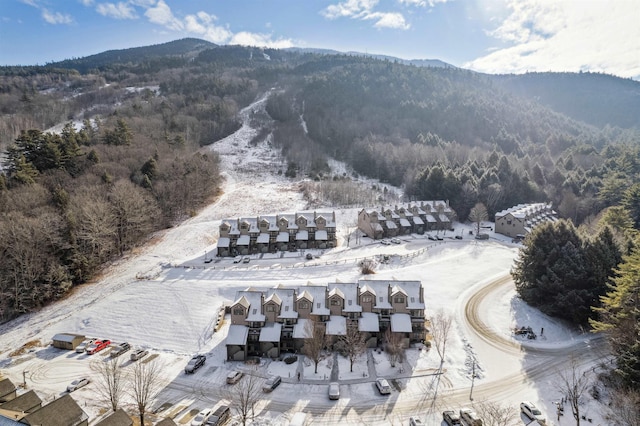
[(165, 298)]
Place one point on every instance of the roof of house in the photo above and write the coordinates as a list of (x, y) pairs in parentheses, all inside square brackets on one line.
[(67, 337), (271, 332), (283, 237), (336, 326), (117, 418), (369, 322), (318, 294), (263, 238), (23, 403), (6, 387), (63, 411), (254, 298), (223, 242), (237, 335), (321, 235), (412, 289), (381, 290), (400, 323), (166, 422), (286, 296), (243, 240), (349, 292), (300, 329)]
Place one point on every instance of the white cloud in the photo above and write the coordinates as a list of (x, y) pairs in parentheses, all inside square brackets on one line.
[(388, 20), (202, 24), (86, 2), (119, 11), (161, 14), (349, 9), (552, 35), (56, 17), (260, 40), (363, 10)]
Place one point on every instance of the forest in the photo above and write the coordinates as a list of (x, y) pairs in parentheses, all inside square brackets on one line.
[(125, 159)]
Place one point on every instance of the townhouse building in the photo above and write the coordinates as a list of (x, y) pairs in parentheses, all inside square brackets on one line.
[(269, 322), (282, 232), (417, 217), (518, 221)]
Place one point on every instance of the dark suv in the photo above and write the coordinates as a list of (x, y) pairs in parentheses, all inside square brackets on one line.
[(219, 417), (194, 363), (120, 349), (451, 417)]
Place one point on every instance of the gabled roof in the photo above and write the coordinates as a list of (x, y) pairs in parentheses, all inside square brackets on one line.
[(271, 332), (25, 403), (64, 411), (242, 301), (336, 291), (305, 295), (6, 387), (237, 335), (117, 418), (349, 292), (273, 298)]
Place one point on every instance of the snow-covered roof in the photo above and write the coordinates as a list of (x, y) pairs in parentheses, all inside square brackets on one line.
[(286, 296), (271, 332), (319, 296), (263, 238), (66, 337), (300, 329), (376, 226), (302, 235), (321, 235), (381, 290), (336, 326), (430, 218), (349, 292), (223, 242), (254, 298), (417, 220), (283, 237), (400, 323), (413, 290), (243, 240), (273, 298), (237, 335), (405, 222), (369, 323), (391, 224), (443, 218)]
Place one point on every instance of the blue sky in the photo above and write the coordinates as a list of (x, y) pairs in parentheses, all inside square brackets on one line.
[(493, 36)]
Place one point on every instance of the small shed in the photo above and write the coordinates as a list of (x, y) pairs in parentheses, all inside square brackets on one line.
[(7, 390), (67, 340)]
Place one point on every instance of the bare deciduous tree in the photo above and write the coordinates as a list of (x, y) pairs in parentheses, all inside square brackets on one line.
[(393, 346), (145, 385), (244, 396), (495, 414), (477, 214), (573, 384), (625, 408), (354, 343), (315, 341), (440, 329), (367, 266), (110, 383)]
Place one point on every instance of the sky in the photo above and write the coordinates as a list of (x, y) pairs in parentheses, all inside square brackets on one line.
[(492, 36)]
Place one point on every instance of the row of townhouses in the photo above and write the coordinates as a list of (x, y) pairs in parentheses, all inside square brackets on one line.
[(268, 322), (418, 218), (282, 232), (519, 220)]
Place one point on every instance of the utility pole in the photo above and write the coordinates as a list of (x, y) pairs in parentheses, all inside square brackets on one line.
[(24, 378), (473, 376)]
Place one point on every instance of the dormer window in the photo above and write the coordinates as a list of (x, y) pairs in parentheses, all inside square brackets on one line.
[(398, 299), (334, 302), (303, 305)]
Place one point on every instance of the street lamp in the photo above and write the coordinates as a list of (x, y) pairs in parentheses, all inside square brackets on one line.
[(24, 378)]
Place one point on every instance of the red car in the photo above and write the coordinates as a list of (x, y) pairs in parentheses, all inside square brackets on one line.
[(97, 346)]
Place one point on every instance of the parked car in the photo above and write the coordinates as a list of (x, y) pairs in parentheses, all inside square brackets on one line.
[(451, 417), (334, 390), (458, 237), (97, 346), (194, 363), (201, 417), (431, 237), (309, 256), (219, 417), (531, 411), (439, 238), (120, 349), (246, 259), (396, 240), (383, 386), (234, 377), (271, 383), (77, 384), (138, 353), (415, 421), (385, 242), (469, 417), (237, 259), (82, 347)]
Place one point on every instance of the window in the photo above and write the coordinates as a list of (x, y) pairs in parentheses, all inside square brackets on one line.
[(398, 299), (303, 305), (271, 308), (350, 302), (238, 311), (413, 299), (318, 305), (366, 299), (334, 302)]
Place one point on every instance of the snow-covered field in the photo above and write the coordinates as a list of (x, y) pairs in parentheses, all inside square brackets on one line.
[(165, 298)]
